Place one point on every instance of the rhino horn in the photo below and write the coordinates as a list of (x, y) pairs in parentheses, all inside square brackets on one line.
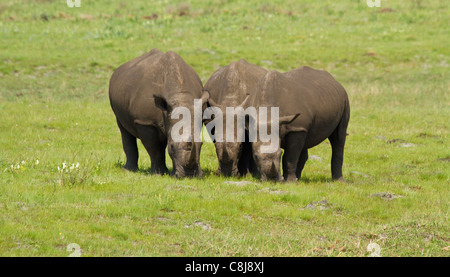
[(245, 102), (191, 160), (273, 170), (225, 155)]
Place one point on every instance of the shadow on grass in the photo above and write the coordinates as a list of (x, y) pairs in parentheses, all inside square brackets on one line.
[(318, 179), (119, 164), (207, 172), (315, 179)]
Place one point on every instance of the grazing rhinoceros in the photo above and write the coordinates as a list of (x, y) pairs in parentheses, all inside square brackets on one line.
[(143, 93), (313, 106), (230, 87)]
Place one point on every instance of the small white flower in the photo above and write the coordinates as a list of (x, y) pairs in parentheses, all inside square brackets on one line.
[(64, 165), (23, 162), (37, 162), (77, 165)]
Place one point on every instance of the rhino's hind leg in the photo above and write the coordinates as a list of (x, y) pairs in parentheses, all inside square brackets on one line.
[(294, 143), (155, 147), (301, 162), (130, 148), (337, 140)]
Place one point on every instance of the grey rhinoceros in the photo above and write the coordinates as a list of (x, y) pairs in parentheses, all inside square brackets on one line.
[(143, 93), (313, 106), (230, 87)]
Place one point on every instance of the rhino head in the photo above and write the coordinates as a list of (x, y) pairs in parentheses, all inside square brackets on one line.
[(266, 154), (229, 148), (184, 152)]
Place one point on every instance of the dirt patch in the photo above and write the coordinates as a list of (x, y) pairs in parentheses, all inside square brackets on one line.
[(396, 140), (446, 159), (315, 158), (272, 191), (386, 195), (407, 144), (239, 183), (359, 173), (319, 205), (150, 17), (163, 219), (425, 135), (205, 226), (385, 10), (402, 142), (370, 54), (87, 17)]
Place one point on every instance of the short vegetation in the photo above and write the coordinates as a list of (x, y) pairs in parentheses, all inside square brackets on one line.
[(61, 155)]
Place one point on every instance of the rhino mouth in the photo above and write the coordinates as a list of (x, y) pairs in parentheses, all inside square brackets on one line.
[(228, 170), (273, 174), (181, 172)]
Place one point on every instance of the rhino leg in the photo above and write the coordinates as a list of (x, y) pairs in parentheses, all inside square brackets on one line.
[(155, 146), (337, 141), (301, 163), (130, 148), (245, 159), (294, 143), (253, 168)]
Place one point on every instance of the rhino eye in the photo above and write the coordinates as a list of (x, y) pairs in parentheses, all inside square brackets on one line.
[(257, 155), (186, 146)]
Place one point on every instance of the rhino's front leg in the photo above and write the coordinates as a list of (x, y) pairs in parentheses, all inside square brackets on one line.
[(293, 145)]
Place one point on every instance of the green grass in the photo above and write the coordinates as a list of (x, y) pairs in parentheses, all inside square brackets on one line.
[(55, 64)]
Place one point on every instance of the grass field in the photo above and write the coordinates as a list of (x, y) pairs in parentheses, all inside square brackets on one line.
[(55, 65)]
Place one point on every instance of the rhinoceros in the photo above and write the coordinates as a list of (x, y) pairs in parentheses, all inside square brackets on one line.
[(313, 106), (143, 93), (230, 87)]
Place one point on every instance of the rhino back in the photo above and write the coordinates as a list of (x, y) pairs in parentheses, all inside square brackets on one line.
[(320, 99), (229, 85), (324, 100), (133, 85)]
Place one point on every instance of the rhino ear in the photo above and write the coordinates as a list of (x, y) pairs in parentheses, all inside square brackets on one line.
[(246, 101), (205, 99), (288, 119), (205, 96), (160, 102)]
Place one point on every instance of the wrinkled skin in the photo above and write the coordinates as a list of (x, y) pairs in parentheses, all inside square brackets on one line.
[(313, 106), (268, 164), (143, 93), (231, 86)]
